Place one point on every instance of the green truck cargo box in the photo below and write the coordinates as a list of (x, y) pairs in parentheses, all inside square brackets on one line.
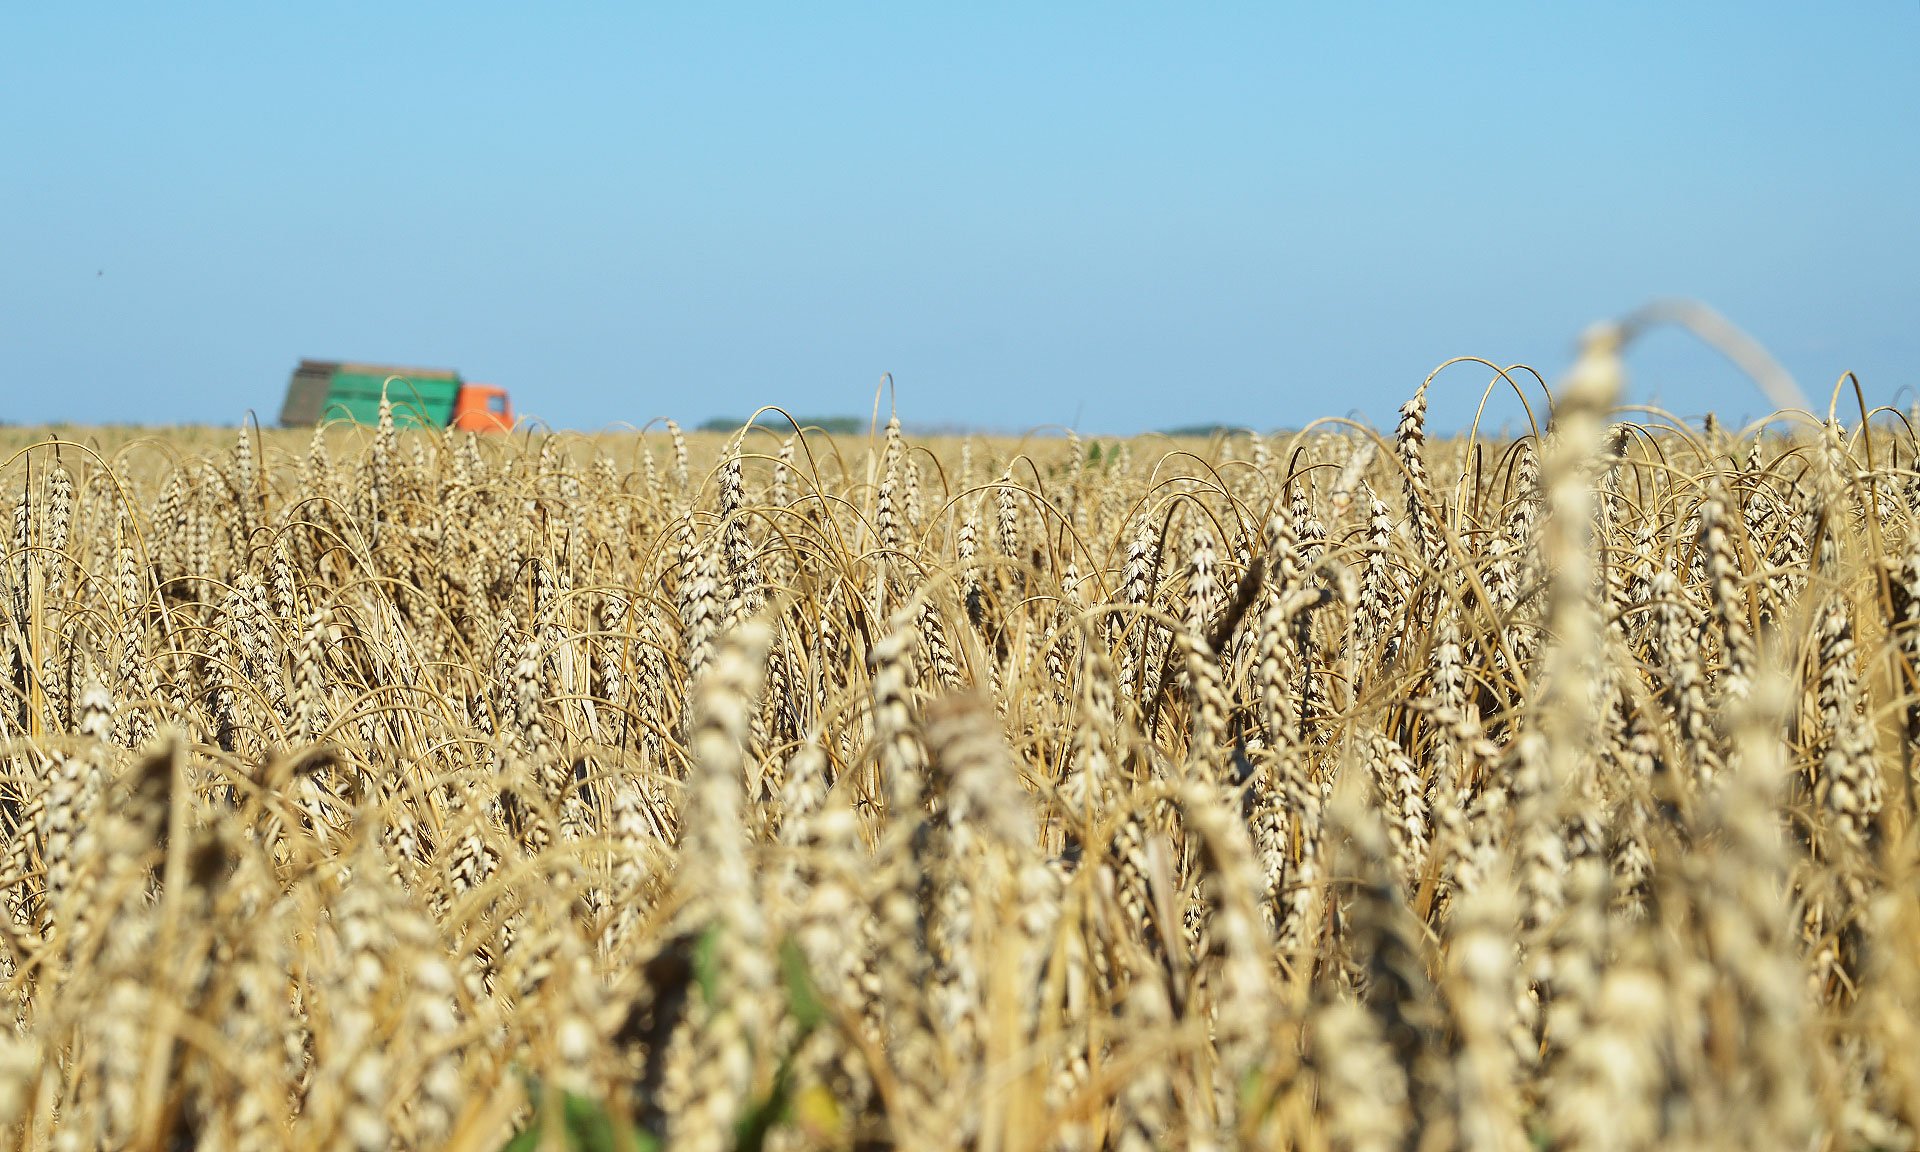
[(326, 390)]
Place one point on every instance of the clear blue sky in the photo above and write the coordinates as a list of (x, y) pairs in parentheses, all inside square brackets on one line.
[(1126, 215)]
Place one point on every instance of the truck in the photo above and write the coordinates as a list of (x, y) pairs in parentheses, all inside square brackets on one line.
[(321, 391)]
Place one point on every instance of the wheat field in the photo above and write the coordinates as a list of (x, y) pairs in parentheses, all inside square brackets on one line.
[(1323, 790)]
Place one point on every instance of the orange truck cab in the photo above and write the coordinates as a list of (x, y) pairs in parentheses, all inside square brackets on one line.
[(482, 408)]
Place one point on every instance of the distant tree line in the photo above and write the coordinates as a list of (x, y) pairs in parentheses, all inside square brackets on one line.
[(833, 425)]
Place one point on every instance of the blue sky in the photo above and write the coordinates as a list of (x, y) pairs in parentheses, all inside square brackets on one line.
[(1122, 216)]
